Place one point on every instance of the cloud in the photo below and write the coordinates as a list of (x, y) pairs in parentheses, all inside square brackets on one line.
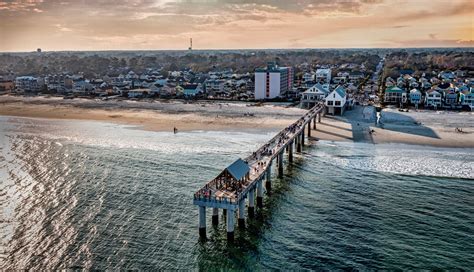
[(453, 8), (142, 24)]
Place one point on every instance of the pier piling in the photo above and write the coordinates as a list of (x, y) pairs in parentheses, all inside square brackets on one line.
[(260, 194), (245, 177), (251, 209), (268, 184), (302, 136), (202, 221), (230, 225), (280, 164), (215, 216), (242, 213), (290, 153)]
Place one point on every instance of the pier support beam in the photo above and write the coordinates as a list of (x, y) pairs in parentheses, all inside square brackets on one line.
[(230, 225), (298, 143), (309, 130), (280, 164), (290, 152), (319, 117), (242, 213), (260, 194), (215, 216), (251, 209), (268, 184), (314, 121), (202, 221), (302, 137)]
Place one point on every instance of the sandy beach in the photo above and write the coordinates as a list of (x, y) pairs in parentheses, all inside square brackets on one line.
[(357, 125), (433, 128), (154, 115)]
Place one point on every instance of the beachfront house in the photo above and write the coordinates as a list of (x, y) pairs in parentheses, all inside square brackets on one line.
[(394, 95), (138, 93), (450, 97), (336, 101), (433, 99), (189, 90), (310, 97), (467, 98), (27, 84), (415, 97)]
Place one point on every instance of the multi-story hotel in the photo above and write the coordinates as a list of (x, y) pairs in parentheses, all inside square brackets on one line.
[(272, 81)]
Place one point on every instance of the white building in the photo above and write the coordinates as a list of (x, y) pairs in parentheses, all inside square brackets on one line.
[(272, 81), (336, 101), (215, 85), (314, 94), (323, 75), (308, 77), (433, 99)]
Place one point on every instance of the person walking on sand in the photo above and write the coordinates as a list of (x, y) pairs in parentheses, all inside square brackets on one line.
[(175, 130)]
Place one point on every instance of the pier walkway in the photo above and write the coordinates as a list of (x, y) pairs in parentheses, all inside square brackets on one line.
[(243, 179)]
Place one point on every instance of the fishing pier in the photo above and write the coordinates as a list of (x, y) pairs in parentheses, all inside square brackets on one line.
[(242, 181)]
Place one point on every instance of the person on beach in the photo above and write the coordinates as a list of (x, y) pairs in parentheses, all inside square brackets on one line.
[(175, 130)]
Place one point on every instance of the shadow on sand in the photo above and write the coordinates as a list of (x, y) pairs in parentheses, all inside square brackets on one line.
[(402, 123)]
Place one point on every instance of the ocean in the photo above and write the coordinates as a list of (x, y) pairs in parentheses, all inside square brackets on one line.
[(92, 195)]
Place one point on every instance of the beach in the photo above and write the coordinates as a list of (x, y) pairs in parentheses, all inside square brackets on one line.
[(155, 115), (433, 128)]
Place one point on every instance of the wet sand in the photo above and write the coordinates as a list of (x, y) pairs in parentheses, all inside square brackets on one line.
[(155, 116), (421, 128)]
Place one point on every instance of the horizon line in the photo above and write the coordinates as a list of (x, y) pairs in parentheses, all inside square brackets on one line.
[(239, 49)]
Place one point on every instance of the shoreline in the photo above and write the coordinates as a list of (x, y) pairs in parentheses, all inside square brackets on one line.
[(435, 129)]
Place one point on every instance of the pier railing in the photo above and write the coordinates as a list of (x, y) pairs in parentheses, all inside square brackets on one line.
[(252, 160)]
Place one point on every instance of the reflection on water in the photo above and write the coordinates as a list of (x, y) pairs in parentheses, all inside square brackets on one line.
[(101, 196)]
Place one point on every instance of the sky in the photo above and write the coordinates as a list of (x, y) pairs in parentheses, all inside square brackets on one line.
[(55, 25)]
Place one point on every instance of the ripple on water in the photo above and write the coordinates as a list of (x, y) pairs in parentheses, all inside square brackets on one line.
[(100, 196)]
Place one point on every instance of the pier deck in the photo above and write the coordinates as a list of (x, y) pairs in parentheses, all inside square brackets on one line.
[(243, 178)]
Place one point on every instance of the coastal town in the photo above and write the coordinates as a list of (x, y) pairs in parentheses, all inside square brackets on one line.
[(340, 86)]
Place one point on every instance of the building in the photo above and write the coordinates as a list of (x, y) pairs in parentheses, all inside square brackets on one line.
[(394, 95), (336, 101), (190, 89), (28, 84), (356, 76), (467, 98), (433, 99), (308, 77), (323, 75), (58, 83), (214, 85), (273, 81), (313, 95), (451, 97), (82, 87), (415, 97), (6, 85), (138, 93)]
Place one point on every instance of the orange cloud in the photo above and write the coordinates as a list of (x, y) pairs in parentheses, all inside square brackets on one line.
[(168, 24)]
